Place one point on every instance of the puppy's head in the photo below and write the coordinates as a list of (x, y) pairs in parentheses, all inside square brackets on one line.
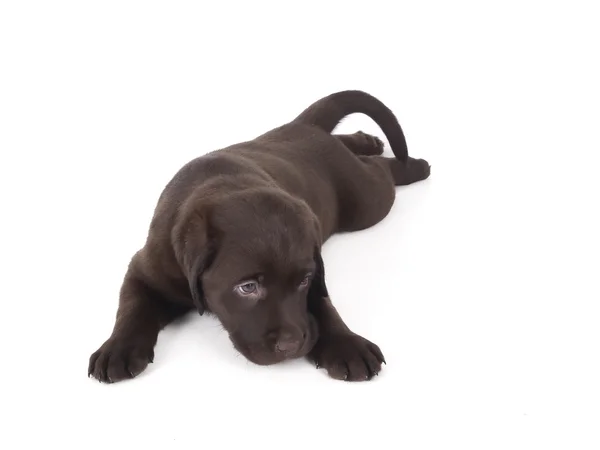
[(252, 258)]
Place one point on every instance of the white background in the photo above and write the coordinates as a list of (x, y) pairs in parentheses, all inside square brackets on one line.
[(481, 286)]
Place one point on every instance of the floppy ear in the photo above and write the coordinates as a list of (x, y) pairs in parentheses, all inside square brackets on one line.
[(194, 273), (318, 288), (193, 250)]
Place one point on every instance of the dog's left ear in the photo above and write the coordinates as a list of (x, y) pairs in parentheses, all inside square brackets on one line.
[(318, 288)]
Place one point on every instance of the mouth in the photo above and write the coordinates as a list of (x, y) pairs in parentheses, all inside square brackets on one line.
[(261, 355)]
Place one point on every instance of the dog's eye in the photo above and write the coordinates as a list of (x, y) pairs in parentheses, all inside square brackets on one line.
[(248, 288), (305, 280)]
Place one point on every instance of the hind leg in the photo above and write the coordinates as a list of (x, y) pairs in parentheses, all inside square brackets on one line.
[(368, 193), (361, 143), (370, 148), (403, 173)]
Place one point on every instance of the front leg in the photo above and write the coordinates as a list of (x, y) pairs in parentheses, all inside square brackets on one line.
[(344, 354), (141, 314)]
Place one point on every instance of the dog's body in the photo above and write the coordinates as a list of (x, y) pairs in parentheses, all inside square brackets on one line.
[(238, 232)]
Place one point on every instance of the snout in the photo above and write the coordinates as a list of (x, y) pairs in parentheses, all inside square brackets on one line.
[(286, 343), (278, 345), (275, 345)]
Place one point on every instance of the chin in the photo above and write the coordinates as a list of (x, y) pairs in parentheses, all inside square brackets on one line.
[(267, 359), (260, 355)]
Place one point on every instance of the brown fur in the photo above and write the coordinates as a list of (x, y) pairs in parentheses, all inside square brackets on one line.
[(253, 217)]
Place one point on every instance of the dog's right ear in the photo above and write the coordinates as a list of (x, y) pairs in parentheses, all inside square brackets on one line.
[(193, 250)]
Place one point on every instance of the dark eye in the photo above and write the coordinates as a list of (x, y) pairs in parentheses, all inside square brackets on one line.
[(248, 288), (305, 280)]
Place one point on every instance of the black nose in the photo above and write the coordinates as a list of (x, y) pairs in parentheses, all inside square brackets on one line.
[(286, 343)]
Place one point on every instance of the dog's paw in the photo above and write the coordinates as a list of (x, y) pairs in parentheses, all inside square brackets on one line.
[(348, 356), (119, 360), (372, 145), (419, 168)]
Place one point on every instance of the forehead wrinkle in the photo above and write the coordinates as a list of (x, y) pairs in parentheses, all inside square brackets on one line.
[(273, 252), (274, 249), (265, 237)]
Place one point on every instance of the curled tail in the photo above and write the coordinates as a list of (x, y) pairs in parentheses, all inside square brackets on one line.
[(329, 111)]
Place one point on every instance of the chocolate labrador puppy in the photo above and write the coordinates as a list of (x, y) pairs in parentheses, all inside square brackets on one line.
[(238, 232)]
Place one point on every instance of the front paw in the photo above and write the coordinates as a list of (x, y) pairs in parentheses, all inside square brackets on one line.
[(119, 359), (347, 356)]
